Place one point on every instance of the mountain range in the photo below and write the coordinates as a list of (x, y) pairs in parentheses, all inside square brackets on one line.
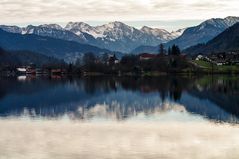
[(49, 30), (115, 36), (225, 42), (202, 33), (77, 38), (62, 49)]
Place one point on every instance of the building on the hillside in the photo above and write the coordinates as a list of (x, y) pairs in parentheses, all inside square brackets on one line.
[(220, 63), (147, 56), (56, 71), (31, 69), (203, 58), (39, 71), (112, 60), (220, 59), (199, 57), (184, 56), (22, 70)]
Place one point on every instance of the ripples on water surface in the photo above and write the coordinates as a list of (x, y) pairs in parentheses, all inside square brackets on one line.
[(102, 117)]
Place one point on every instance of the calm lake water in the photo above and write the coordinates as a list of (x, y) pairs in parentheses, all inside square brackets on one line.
[(119, 117), (214, 98)]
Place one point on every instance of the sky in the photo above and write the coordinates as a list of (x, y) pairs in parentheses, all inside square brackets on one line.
[(166, 14)]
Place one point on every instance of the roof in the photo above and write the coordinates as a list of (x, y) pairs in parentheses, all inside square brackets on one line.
[(147, 55)]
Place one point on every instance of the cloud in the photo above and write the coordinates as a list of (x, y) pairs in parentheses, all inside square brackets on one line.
[(18, 11)]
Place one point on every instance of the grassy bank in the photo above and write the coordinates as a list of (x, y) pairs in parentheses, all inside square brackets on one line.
[(208, 67)]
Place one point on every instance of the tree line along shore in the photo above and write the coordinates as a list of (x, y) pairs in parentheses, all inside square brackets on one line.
[(171, 61)]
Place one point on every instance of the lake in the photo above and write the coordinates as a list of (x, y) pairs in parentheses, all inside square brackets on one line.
[(119, 117)]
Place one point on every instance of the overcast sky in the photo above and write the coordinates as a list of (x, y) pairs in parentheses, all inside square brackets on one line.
[(169, 14)]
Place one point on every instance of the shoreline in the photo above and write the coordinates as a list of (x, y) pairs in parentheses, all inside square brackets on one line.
[(148, 74)]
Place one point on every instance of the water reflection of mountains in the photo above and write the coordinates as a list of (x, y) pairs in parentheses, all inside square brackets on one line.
[(213, 97)]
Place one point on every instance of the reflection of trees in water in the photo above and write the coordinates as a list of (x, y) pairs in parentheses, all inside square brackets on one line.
[(29, 86), (167, 86), (221, 90), (12, 85), (93, 84), (18, 95), (175, 90)]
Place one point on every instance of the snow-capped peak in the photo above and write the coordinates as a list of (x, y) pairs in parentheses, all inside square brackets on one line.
[(117, 30), (220, 23), (116, 24), (162, 34), (178, 32), (115, 35), (52, 26), (154, 31), (11, 29), (77, 25), (80, 27), (230, 20), (115, 27)]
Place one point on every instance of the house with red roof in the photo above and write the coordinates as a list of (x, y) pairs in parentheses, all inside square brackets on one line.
[(147, 56)]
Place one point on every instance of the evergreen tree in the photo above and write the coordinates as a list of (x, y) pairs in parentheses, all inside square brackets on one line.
[(178, 51), (175, 50), (105, 58), (78, 62), (169, 51), (89, 58), (161, 49)]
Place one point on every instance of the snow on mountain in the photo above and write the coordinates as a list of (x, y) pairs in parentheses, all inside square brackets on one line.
[(54, 31), (80, 27), (52, 26), (100, 31), (118, 31), (225, 42), (177, 33), (50, 30), (62, 49), (121, 37), (161, 34), (220, 23), (191, 36), (11, 29), (204, 32), (115, 36)]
